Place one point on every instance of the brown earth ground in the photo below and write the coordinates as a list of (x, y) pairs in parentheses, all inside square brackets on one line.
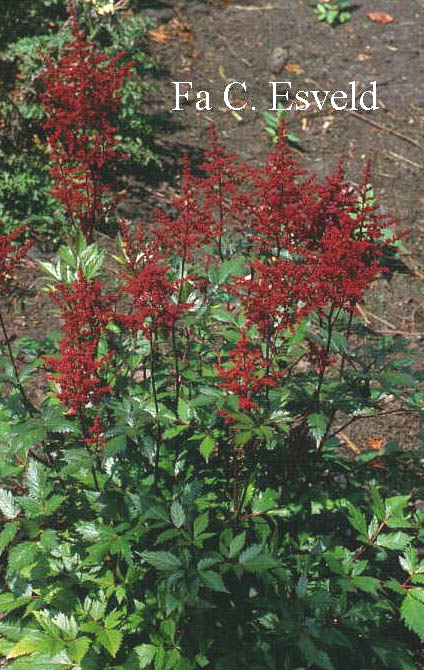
[(213, 43)]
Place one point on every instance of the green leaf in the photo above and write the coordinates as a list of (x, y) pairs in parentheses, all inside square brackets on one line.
[(110, 639), (163, 561), (11, 601), (200, 524), (317, 423), (409, 560), (358, 520), (8, 506), (206, 447), (367, 584), (258, 562), (77, 649), (21, 556), (7, 535), (301, 586), (394, 541), (59, 661), (312, 655), (36, 641), (396, 504), (214, 581), (250, 552), (234, 266), (66, 624), (145, 654), (378, 504), (36, 480), (177, 514), (208, 561), (237, 544), (412, 612)]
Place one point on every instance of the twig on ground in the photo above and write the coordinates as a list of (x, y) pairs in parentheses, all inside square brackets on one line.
[(386, 129), (405, 160)]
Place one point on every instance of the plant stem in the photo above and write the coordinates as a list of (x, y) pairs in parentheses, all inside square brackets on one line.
[(155, 400), (177, 371), (28, 404)]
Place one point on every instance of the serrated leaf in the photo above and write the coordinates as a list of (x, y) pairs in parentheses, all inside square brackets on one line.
[(177, 514), (145, 654), (36, 480), (200, 524), (8, 506), (208, 562), (21, 556), (62, 426), (59, 661), (163, 561), (110, 639), (250, 552), (367, 584), (259, 561), (36, 641), (378, 504), (358, 520), (7, 535), (213, 581), (77, 649), (237, 544), (394, 541), (412, 612), (66, 624), (409, 560), (11, 601)]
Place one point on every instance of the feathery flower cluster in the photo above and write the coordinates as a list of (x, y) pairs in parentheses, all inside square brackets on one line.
[(247, 374), (85, 311), (81, 100), (147, 281), (222, 195), (11, 255), (319, 244)]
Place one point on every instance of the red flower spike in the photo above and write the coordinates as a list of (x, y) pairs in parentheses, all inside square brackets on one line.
[(247, 373), (147, 281), (81, 100), (96, 438), (86, 311)]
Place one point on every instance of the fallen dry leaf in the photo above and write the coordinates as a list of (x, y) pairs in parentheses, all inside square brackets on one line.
[(363, 57), (377, 443), (380, 17), (159, 35), (294, 68), (180, 29)]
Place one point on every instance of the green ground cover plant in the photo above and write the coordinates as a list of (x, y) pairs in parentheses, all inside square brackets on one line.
[(334, 12), (179, 499)]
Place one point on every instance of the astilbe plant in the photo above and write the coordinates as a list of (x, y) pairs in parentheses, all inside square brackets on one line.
[(81, 101), (194, 510)]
